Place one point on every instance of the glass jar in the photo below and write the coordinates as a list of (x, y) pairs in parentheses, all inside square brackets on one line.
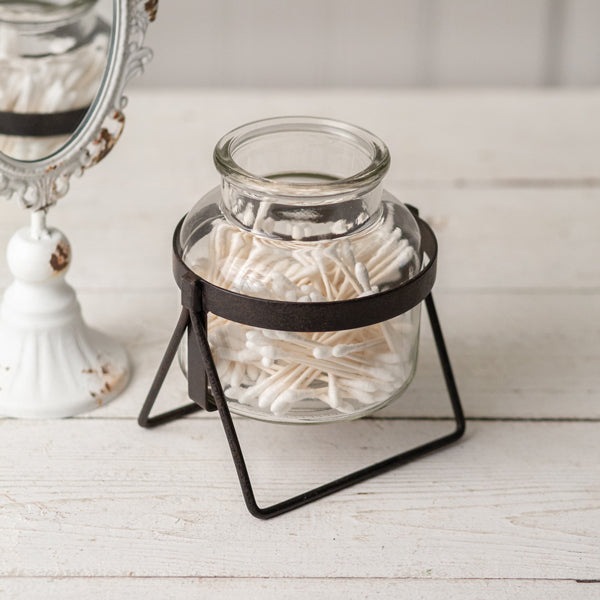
[(302, 216), (53, 55)]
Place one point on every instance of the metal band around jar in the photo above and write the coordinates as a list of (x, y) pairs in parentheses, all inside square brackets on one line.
[(199, 295)]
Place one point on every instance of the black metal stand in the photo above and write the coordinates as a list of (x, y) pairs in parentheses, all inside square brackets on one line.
[(192, 319), (199, 297)]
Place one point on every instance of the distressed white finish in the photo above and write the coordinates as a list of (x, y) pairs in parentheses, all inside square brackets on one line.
[(96, 507), (167, 502), (51, 363), (376, 43)]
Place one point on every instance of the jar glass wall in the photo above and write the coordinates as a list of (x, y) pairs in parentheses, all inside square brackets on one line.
[(301, 216)]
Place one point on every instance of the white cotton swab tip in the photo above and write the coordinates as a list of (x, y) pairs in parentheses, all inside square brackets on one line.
[(322, 352), (363, 276), (343, 349)]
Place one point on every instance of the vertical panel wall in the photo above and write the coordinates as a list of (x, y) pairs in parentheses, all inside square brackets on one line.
[(579, 59), (286, 43), (486, 42)]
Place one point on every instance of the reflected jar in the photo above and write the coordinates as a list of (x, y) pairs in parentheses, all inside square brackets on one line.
[(301, 216), (53, 56)]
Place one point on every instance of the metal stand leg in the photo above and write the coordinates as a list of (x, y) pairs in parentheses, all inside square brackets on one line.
[(238, 458), (145, 420)]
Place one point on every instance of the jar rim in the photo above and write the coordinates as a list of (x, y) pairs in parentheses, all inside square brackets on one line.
[(366, 178)]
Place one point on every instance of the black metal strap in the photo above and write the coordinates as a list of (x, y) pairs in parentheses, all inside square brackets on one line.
[(41, 124), (309, 316)]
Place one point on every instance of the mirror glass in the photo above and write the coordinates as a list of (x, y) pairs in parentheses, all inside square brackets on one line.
[(53, 56)]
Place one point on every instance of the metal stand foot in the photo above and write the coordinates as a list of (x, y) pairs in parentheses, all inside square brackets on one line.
[(197, 322)]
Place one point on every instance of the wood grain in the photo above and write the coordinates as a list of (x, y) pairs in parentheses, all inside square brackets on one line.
[(95, 507), (450, 136), (514, 500), (159, 588)]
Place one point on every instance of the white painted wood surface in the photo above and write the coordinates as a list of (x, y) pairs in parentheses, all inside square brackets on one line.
[(375, 43), (95, 507), (117, 588)]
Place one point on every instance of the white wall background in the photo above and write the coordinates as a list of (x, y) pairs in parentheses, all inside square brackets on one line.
[(375, 43)]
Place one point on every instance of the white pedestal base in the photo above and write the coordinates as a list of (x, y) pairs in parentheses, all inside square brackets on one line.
[(51, 364)]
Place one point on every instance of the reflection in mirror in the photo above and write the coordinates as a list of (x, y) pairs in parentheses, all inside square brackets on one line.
[(53, 55)]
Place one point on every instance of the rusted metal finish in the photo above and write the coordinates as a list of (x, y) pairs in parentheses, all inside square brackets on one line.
[(106, 140), (61, 257), (151, 7), (107, 378)]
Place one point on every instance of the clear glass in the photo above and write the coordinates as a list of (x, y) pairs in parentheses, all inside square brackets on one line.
[(302, 216), (53, 55)]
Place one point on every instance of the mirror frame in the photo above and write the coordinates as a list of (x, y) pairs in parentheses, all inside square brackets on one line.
[(38, 184)]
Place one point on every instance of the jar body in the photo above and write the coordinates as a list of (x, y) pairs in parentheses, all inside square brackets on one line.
[(313, 247)]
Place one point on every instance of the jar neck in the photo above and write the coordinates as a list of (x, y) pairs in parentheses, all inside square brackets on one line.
[(318, 217), (301, 178)]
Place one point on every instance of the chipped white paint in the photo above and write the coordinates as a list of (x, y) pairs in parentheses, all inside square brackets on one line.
[(51, 363)]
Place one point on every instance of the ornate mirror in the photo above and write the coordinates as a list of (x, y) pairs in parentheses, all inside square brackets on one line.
[(64, 65)]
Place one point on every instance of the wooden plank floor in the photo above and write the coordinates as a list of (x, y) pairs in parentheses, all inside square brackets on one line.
[(95, 507)]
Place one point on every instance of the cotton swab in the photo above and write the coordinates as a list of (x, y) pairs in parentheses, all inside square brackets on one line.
[(276, 371)]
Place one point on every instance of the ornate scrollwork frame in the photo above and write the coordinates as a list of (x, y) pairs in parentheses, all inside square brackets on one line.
[(38, 184)]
